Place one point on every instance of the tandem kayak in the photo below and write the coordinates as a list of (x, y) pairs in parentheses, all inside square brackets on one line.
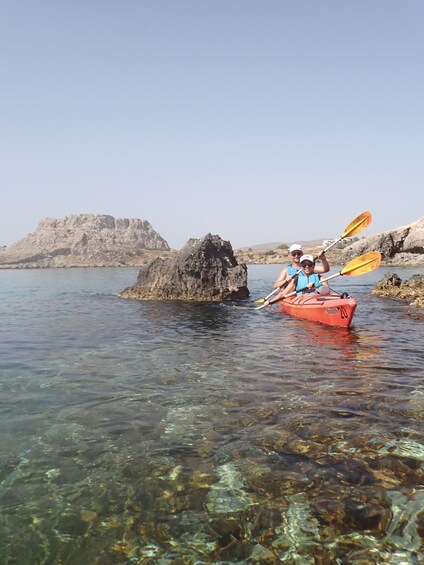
[(332, 309)]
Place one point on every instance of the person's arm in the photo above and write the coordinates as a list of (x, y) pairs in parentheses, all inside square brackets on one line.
[(281, 279), (291, 287), (324, 267), (318, 284)]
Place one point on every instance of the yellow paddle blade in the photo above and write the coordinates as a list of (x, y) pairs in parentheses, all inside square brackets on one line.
[(363, 264), (357, 225)]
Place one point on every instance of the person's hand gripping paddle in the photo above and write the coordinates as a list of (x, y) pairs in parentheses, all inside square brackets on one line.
[(355, 227), (359, 266)]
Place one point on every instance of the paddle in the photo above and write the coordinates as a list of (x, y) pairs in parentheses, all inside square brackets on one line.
[(355, 226), (359, 266)]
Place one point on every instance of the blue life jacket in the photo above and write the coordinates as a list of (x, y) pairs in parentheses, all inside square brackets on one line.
[(291, 271), (303, 280)]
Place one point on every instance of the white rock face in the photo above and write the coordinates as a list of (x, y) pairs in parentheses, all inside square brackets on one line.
[(401, 246), (85, 240)]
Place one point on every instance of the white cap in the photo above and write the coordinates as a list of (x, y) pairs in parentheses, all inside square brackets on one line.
[(307, 258), (295, 247)]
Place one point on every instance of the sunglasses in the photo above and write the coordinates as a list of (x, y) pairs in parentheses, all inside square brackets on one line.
[(307, 264), (296, 253)]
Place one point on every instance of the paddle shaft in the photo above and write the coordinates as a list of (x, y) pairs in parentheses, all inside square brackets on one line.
[(355, 226), (305, 287), (300, 270), (359, 266), (300, 290)]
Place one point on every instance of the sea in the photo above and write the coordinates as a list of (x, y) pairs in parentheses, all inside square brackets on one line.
[(188, 433)]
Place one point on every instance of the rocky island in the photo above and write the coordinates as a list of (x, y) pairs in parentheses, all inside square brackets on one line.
[(85, 240), (99, 240), (204, 270), (93, 240)]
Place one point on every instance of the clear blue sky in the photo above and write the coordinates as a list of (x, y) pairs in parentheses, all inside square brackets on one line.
[(259, 121)]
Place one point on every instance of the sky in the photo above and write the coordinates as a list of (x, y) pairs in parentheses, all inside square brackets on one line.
[(260, 121)]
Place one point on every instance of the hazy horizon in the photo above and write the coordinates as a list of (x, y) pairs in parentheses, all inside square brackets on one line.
[(256, 245)]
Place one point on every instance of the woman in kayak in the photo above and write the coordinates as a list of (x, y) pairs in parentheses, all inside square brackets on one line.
[(306, 279), (287, 274)]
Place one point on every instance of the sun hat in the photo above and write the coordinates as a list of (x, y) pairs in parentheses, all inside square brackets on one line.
[(295, 247), (307, 258)]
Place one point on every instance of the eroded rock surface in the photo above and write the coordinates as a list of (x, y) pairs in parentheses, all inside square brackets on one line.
[(85, 240), (392, 286), (400, 246), (204, 269)]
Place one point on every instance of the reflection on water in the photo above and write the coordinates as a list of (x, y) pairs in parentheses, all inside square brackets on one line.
[(201, 433)]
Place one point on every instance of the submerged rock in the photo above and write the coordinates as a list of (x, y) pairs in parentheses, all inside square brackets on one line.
[(392, 286), (228, 494), (205, 269)]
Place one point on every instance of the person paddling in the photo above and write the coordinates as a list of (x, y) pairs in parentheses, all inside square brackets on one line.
[(290, 270), (306, 278), (287, 274)]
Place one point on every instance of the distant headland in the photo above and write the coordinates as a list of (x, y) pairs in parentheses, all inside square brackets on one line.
[(98, 240), (86, 240)]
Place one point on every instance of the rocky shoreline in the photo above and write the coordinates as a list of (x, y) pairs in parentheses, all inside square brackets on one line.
[(335, 257), (410, 290), (98, 240), (282, 256), (140, 257)]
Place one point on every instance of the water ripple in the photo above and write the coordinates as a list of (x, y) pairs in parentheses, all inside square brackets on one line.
[(142, 432)]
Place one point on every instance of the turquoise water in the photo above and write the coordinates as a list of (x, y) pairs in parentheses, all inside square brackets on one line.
[(180, 433)]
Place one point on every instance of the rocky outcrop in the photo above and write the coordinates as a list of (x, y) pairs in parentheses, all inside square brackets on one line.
[(204, 269), (403, 246), (88, 240), (392, 286)]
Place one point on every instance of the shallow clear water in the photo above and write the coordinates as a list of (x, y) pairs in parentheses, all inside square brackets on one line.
[(183, 433)]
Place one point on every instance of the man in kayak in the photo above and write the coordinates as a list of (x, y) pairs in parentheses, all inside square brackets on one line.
[(287, 274), (304, 279)]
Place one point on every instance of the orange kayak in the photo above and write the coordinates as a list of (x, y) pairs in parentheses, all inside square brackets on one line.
[(332, 309)]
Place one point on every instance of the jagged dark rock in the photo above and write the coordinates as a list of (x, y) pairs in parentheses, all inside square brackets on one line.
[(85, 240), (403, 246), (392, 286), (204, 269)]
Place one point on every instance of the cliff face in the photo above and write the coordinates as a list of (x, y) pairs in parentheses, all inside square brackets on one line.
[(88, 240), (402, 246)]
